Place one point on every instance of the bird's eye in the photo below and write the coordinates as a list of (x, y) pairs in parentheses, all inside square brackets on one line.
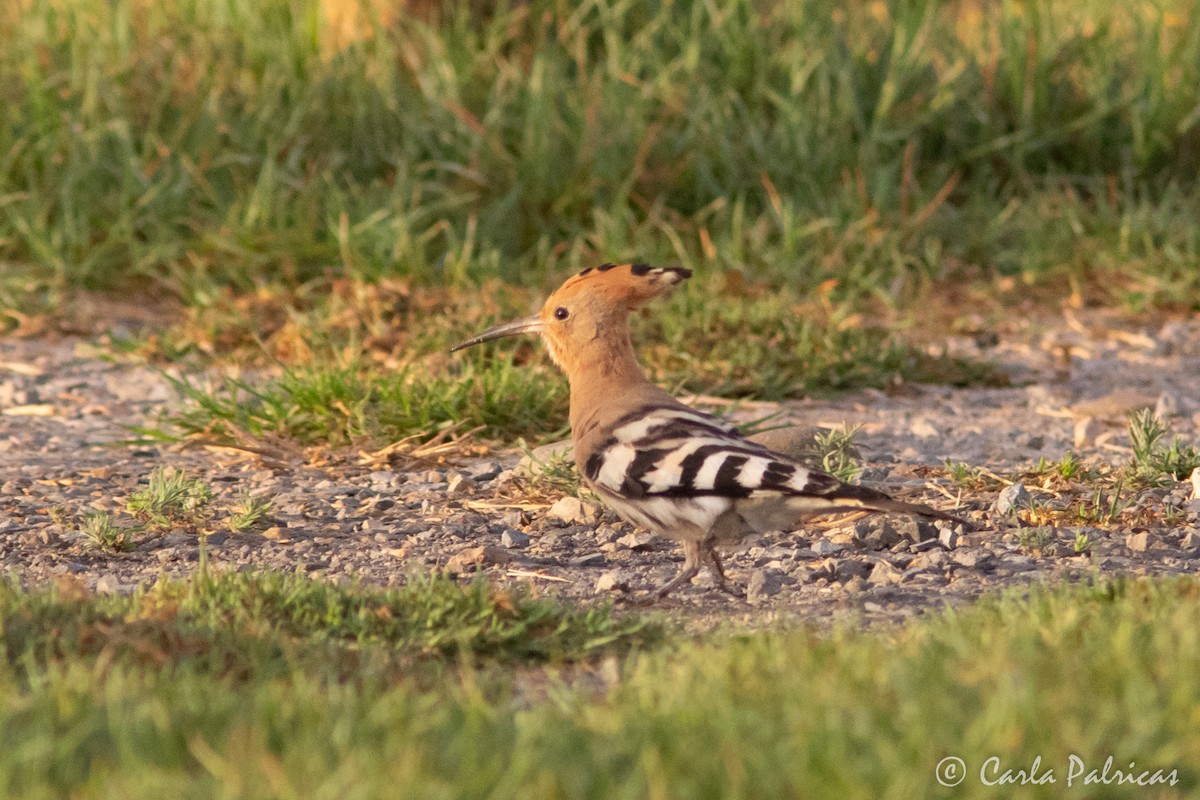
[(561, 313)]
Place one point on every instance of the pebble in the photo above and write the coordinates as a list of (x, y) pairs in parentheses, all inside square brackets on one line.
[(615, 580), (1166, 406), (473, 558), (1138, 542), (877, 533), (1190, 539), (948, 538), (589, 560), (763, 583), (973, 558), (1013, 498), (638, 540), (824, 547), (572, 510), (514, 539), (459, 485), (884, 573)]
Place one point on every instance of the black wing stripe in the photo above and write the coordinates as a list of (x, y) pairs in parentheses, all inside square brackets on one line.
[(726, 481)]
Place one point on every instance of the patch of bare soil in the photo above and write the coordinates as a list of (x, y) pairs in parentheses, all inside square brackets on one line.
[(64, 451)]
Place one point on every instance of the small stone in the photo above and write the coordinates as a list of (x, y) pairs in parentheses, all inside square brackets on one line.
[(844, 539), (513, 538), (972, 558), (590, 560), (877, 533), (1195, 481), (615, 580), (854, 586), (763, 583), (1086, 431), (484, 471), (948, 538), (1190, 539), (382, 479), (572, 510), (934, 559), (1013, 498), (107, 584), (824, 547), (1166, 406), (884, 573), (925, 545), (472, 558), (848, 569), (1138, 542), (639, 540), (459, 485), (922, 428)]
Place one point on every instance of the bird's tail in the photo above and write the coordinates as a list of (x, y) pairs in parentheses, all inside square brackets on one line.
[(890, 506), (872, 500)]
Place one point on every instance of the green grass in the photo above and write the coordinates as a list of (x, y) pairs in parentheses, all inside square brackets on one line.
[(254, 687), (869, 150)]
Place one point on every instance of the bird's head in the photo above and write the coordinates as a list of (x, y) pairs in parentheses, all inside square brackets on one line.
[(589, 308)]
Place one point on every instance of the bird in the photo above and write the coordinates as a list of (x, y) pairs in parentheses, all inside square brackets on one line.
[(658, 463)]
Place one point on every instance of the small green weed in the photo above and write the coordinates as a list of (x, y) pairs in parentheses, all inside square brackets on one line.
[(248, 512), (834, 450), (1034, 540), (1102, 511), (553, 476), (1082, 543), (170, 497), (1154, 463), (99, 530)]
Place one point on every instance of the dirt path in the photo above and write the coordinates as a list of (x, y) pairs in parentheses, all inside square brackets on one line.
[(65, 408)]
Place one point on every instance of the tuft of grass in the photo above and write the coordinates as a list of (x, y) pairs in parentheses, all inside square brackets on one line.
[(170, 497), (99, 530), (249, 512), (553, 476), (834, 450), (357, 403), (1034, 540), (1153, 462)]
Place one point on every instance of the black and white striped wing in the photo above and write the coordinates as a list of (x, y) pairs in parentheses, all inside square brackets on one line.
[(667, 467)]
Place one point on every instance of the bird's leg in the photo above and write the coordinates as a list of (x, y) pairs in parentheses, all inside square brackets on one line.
[(691, 565), (718, 570)]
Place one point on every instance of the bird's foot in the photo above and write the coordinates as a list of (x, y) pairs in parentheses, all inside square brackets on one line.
[(731, 589)]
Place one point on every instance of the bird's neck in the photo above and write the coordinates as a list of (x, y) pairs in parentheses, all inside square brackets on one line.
[(601, 372)]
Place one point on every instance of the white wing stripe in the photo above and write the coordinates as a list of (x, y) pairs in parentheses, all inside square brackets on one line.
[(752, 473), (616, 464), (706, 477)]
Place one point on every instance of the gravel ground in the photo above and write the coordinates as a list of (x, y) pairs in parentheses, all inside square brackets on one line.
[(64, 407)]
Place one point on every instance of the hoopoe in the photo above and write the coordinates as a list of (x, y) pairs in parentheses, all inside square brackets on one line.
[(677, 471)]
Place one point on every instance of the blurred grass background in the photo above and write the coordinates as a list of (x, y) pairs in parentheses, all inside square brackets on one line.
[(869, 148)]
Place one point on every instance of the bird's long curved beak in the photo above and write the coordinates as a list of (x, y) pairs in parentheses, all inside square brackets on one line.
[(532, 324)]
